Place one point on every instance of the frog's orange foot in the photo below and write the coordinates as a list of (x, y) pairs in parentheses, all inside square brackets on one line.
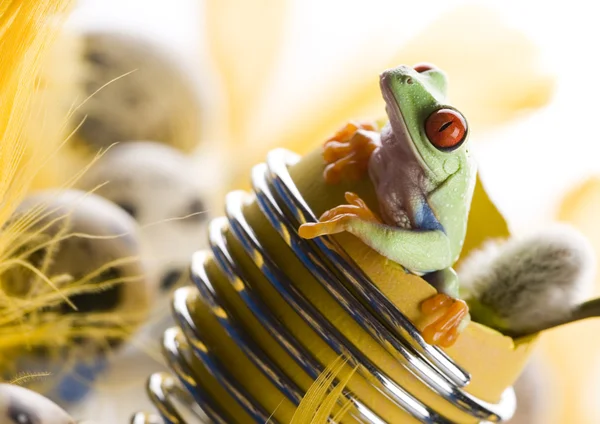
[(339, 218), (444, 319), (347, 153)]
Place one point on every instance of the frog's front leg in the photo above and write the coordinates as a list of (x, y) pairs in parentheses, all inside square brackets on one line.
[(445, 315), (340, 218), (347, 152), (420, 251)]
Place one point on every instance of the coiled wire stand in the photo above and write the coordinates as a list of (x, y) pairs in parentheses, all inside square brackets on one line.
[(285, 209)]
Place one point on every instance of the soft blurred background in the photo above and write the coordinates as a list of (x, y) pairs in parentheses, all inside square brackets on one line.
[(220, 82)]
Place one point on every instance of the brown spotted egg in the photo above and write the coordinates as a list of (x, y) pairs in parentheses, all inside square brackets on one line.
[(163, 190), (96, 237), (137, 92)]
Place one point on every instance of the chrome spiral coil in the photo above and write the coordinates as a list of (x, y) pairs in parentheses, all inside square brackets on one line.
[(180, 399)]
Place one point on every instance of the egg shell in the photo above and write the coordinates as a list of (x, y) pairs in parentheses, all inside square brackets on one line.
[(162, 189), (151, 97), (116, 237), (22, 406)]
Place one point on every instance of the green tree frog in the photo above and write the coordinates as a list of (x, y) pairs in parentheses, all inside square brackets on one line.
[(424, 177)]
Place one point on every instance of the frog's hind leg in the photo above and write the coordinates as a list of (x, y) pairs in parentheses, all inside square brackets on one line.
[(445, 281), (444, 315)]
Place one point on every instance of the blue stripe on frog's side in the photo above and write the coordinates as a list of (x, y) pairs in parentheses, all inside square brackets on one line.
[(425, 219)]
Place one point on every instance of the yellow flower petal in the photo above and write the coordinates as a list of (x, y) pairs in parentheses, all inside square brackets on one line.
[(244, 40), (485, 221)]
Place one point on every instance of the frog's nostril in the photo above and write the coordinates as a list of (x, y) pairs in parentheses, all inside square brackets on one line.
[(396, 76)]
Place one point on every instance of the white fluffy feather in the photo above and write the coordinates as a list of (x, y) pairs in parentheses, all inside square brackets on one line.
[(531, 281)]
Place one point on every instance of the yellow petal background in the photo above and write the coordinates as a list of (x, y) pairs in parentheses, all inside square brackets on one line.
[(472, 44), (244, 39), (573, 351), (494, 69)]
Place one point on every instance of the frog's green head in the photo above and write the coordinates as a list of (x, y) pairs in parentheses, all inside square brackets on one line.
[(416, 106)]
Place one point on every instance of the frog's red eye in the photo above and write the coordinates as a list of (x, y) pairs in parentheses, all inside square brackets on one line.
[(446, 129), (423, 67)]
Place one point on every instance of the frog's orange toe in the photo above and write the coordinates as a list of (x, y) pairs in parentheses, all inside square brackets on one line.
[(308, 231), (347, 153), (314, 230), (356, 208), (347, 131), (317, 229), (337, 219), (442, 321)]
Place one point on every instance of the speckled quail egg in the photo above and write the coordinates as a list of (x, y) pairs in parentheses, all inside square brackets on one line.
[(101, 233), (101, 240), (156, 101), (22, 406), (162, 189)]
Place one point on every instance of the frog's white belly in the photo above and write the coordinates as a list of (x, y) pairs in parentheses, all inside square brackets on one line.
[(396, 215)]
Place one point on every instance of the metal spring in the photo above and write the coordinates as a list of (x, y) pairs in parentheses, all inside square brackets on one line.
[(285, 209)]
